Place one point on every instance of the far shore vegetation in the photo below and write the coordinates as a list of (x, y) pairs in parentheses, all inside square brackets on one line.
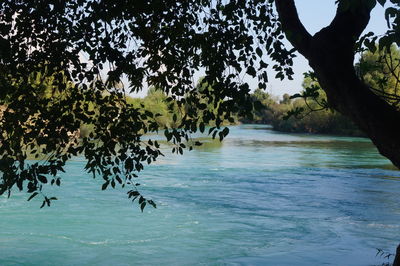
[(271, 111), (305, 112)]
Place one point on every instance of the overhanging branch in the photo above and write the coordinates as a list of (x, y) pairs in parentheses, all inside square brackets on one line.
[(351, 19), (295, 31)]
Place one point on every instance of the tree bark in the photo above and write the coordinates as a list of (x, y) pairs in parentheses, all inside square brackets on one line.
[(330, 53), (396, 261)]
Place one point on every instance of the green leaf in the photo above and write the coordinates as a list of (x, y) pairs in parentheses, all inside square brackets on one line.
[(202, 127), (42, 179), (141, 199), (152, 203), (105, 185), (251, 71), (198, 143), (225, 131), (259, 52), (382, 2), (34, 194), (142, 206), (211, 130)]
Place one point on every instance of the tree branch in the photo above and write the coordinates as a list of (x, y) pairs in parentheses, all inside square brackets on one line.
[(295, 31), (351, 19)]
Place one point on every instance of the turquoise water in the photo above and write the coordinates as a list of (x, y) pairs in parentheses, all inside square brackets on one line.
[(259, 198)]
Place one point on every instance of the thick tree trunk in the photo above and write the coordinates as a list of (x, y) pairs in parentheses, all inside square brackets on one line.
[(396, 261), (330, 53), (350, 96)]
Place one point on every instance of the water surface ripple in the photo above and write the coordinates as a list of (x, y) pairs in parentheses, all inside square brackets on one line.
[(258, 198)]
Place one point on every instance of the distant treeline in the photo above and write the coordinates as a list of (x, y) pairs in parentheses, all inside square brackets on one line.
[(271, 111), (306, 112), (275, 112)]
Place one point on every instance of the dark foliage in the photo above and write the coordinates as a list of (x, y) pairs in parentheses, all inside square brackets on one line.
[(82, 51)]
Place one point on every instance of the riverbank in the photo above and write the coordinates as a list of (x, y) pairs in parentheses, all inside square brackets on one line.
[(307, 117)]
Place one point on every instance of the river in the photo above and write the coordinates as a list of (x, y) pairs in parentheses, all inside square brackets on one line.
[(259, 198)]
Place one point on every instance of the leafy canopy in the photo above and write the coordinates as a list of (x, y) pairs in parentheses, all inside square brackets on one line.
[(62, 63), (86, 48)]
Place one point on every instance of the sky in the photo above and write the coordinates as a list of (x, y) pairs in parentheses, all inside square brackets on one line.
[(314, 14)]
